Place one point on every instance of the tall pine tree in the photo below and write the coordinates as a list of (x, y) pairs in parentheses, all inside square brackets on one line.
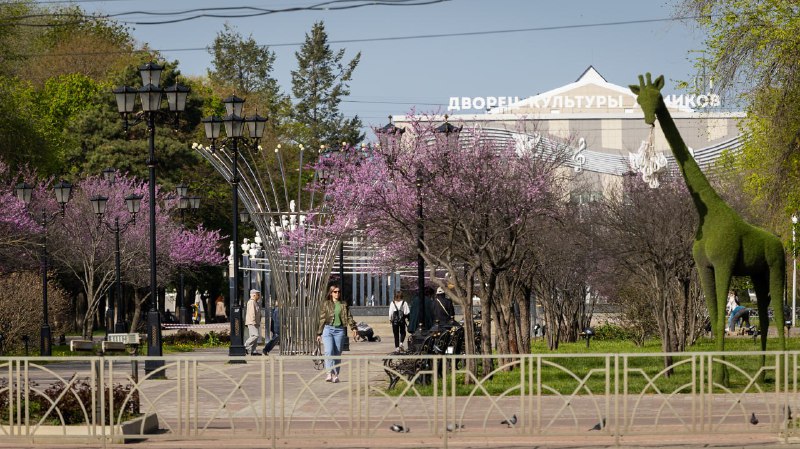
[(319, 84), (244, 67)]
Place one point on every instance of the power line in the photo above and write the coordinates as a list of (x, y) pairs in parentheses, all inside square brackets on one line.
[(430, 36), (255, 12)]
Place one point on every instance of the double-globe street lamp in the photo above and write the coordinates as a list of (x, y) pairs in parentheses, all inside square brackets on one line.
[(62, 191), (184, 202), (99, 205), (150, 95), (326, 175), (234, 123), (448, 130)]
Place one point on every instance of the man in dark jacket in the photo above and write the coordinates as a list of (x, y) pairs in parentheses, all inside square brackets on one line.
[(443, 310)]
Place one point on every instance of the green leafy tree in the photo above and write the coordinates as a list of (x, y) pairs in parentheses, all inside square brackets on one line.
[(22, 137), (74, 42), (319, 84), (245, 67), (753, 51)]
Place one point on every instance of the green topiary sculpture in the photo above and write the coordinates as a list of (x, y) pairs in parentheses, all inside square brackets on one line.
[(725, 245)]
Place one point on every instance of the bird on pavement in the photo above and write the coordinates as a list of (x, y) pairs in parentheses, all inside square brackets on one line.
[(753, 419), (509, 422), (399, 429), (452, 427), (600, 425)]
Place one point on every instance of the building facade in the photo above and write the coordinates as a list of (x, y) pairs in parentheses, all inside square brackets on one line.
[(604, 126)]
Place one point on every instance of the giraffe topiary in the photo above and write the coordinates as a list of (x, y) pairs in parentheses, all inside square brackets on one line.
[(725, 245)]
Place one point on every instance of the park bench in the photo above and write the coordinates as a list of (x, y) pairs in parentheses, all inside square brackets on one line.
[(447, 340)]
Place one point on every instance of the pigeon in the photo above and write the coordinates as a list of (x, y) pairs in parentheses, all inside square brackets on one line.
[(509, 422), (452, 427), (399, 429), (600, 425), (753, 419)]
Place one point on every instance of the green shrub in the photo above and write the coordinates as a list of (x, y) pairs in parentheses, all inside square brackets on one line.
[(613, 332), (74, 406), (217, 339), (184, 337)]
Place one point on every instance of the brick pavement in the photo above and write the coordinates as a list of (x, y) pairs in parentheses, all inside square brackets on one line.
[(462, 439)]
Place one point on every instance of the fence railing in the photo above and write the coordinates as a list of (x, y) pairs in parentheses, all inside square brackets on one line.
[(283, 399)]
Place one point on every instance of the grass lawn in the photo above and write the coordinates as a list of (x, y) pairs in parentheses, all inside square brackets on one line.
[(574, 368)]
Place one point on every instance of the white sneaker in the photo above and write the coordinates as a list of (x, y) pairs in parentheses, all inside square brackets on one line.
[(397, 349), (335, 379), (329, 378)]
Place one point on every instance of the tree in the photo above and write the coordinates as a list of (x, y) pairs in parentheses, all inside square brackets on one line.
[(23, 139), (319, 84), (558, 272), (82, 248), (21, 309), (479, 198), (644, 242), (55, 58), (68, 41), (16, 224), (245, 68), (753, 51)]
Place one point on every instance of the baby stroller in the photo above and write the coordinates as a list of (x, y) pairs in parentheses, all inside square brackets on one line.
[(364, 332)]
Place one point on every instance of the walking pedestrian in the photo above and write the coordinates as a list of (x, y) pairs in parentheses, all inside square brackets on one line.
[(219, 310), (334, 315), (253, 322), (398, 315)]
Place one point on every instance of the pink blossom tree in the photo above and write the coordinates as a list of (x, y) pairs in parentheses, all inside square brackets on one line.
[(479, 198), (81, 246), (16, 225)]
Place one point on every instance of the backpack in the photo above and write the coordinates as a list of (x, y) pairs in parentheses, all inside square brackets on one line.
[(396, 316)]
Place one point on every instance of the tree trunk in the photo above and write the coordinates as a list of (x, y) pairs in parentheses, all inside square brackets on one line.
[(487, 312), (524, 328)]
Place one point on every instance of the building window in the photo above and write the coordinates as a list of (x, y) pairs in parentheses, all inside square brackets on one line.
[(585, 197)]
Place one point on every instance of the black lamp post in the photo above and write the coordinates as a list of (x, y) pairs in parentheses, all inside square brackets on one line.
[(62, 190), (420, 248), (184, 202), (99, 203), (587, 333), (325, 175), (447, 130), (234, 126), (150, 95)]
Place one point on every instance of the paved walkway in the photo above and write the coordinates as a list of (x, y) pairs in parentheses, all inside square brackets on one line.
[(470, 437)]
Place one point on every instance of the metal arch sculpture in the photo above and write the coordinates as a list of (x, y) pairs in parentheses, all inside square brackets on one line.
[(300, 274)]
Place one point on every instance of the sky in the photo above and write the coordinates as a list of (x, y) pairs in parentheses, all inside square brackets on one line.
[(508, 48)]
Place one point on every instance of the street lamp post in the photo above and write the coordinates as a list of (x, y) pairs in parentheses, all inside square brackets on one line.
[(234, 123), (150, 95), (448, 130), (184, 203), (420, 248), (325, 176), (62, 190), (99, 204), (794, 272)]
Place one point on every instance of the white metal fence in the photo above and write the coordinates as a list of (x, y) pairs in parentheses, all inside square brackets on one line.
[(285, 399)]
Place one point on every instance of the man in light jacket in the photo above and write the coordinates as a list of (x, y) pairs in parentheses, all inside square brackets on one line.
[(253, 322)]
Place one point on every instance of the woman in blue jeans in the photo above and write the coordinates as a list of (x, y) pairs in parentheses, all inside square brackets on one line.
[(333, 316)]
